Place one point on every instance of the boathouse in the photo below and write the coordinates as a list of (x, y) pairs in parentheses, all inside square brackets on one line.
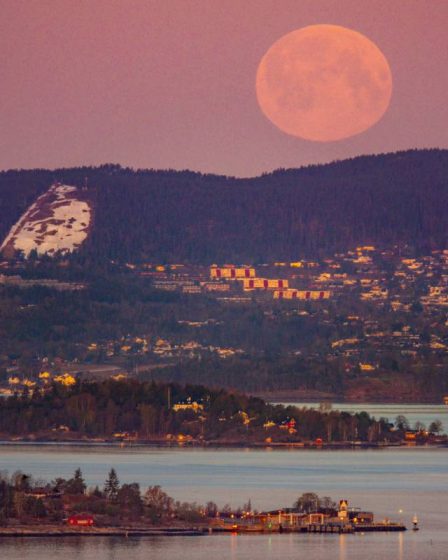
[(81, 520)]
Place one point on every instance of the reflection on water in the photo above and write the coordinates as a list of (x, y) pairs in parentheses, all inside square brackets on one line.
[(342, 547), (380, 546), (400, 546)]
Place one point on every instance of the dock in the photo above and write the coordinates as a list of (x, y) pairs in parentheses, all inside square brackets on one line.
[(325, 528), (329, 528), (379, 527)]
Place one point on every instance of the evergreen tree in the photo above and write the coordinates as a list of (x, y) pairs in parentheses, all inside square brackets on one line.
[(248, 506), (112, 486), (76, 485)]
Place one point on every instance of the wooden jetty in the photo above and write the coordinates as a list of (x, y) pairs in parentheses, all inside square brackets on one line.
[(326, 528), (379, 527), (329, 528)]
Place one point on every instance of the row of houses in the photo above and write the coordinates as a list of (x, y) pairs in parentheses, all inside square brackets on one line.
[(280, 287), (292, 519)]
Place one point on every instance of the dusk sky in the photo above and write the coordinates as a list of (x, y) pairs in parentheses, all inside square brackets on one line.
[(171, 83)]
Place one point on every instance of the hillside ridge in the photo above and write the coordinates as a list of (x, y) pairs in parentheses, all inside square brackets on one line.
[(169, 216)]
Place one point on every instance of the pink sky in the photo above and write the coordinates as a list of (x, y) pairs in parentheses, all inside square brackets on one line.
[(170, 83)]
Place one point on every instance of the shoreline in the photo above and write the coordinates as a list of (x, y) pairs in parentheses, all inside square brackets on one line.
[(48, 531), (262, 446), (291, 397), (60, 531)]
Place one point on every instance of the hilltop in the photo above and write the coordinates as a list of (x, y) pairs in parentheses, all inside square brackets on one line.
[(345, 298), (181, 216)]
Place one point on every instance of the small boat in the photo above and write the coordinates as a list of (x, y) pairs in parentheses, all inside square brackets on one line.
[(415, 523)]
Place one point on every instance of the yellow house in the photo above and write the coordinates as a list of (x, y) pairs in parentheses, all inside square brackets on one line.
[(344, 341), (365, 248), (65, 379), (366, 367), (189, 405), (29, 383), (119, 376)]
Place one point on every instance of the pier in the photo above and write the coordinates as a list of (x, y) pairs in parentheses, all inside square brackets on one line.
[(329, 528), (342, 520)]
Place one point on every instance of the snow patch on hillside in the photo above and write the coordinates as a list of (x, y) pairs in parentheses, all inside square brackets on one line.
[(56, 223)]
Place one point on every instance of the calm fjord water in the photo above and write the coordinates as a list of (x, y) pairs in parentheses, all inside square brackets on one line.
[(425, 413), (380, 546), (385, 481)]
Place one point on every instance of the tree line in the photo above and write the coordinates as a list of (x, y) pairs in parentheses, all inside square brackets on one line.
[(26, 500), (147, 410)]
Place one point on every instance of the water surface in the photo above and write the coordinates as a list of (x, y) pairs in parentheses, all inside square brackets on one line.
[(425, 413), (381, 546)]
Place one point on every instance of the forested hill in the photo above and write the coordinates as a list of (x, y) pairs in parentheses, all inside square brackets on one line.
[(288, 214)]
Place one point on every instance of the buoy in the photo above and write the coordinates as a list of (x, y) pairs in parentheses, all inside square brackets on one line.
[(415, 523)]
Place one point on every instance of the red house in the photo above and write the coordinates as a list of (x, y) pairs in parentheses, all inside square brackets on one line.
[(81, 520)]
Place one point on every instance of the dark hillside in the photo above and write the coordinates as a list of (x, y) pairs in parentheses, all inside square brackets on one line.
[(173, 216)]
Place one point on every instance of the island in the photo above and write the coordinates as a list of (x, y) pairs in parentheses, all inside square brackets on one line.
[(67, 507)]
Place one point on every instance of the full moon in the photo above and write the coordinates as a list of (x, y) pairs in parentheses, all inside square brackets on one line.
[(324, 83)]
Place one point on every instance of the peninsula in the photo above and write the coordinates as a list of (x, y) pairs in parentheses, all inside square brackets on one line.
[(133, 412), (66, 507)]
